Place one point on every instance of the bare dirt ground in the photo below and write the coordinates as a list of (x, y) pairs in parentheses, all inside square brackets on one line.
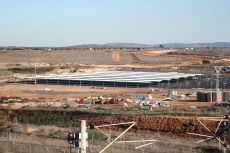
[(98, 57), (65, 56), (164, 129), (95, 60), (42, 143), (31, 91), (67, 61), (38, 91)]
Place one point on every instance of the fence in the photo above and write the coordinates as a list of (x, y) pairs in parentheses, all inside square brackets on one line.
[(22, 143), (19, 147)]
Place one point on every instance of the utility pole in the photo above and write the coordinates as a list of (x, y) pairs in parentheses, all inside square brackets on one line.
[(79, 140), (218, 70), (83, 136), (35, 74), (219, 95), (35, 61)]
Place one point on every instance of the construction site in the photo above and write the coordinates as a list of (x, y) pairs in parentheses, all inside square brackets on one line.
[(112, 100)]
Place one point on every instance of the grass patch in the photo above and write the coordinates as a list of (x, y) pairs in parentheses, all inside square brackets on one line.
[(3, 126), (31, 69), (209, 149), (95, 135)]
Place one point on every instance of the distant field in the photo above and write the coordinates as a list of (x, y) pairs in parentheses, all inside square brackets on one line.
[(67, 61), (77, 56)]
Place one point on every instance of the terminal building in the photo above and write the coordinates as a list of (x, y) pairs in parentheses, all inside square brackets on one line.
[(112, 78)]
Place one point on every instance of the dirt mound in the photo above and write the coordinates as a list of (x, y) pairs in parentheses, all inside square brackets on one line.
[(144, 122), (168, 125)]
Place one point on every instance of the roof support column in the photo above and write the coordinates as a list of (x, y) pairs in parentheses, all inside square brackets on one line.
[(185, 79)]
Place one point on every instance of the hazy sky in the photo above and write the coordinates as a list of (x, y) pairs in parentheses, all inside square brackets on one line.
[(71, 22)]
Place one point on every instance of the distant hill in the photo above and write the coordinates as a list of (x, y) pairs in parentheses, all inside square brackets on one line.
[(168, 45), (114, 45), (136, 45), (130, 45), (198, 45)]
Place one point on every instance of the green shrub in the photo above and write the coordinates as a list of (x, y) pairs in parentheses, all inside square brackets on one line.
[(31, 69), (209, 149), (95, 135), (205, 61)]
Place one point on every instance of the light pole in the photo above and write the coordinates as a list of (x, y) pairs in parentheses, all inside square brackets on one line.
[(83, 136), (35, 61), (35, 74), (218, 70)]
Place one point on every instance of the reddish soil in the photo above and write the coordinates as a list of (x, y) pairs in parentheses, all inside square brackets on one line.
[(169, 125), (61, 92)]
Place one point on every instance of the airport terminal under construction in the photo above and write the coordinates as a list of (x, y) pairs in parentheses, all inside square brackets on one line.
[(173, 99), (112, 78)]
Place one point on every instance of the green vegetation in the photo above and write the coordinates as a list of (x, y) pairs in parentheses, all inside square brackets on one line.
[(95, 135), (3, 126), (205, 61), (31, 69), (209, 149)]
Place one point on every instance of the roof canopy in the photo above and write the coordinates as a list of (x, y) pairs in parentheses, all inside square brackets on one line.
[(119, 76)]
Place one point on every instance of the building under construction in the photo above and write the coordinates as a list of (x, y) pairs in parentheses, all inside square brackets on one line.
[(112, 78), (213, 96)]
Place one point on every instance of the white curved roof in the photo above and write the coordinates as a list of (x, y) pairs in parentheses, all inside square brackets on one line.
[(119, 76)]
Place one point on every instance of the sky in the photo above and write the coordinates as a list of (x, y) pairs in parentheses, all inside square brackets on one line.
[(74, 22)]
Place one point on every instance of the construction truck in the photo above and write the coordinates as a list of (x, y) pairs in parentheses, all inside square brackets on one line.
[(226, 69)]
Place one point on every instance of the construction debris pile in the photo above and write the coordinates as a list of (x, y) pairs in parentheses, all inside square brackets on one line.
[(141, 100)]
